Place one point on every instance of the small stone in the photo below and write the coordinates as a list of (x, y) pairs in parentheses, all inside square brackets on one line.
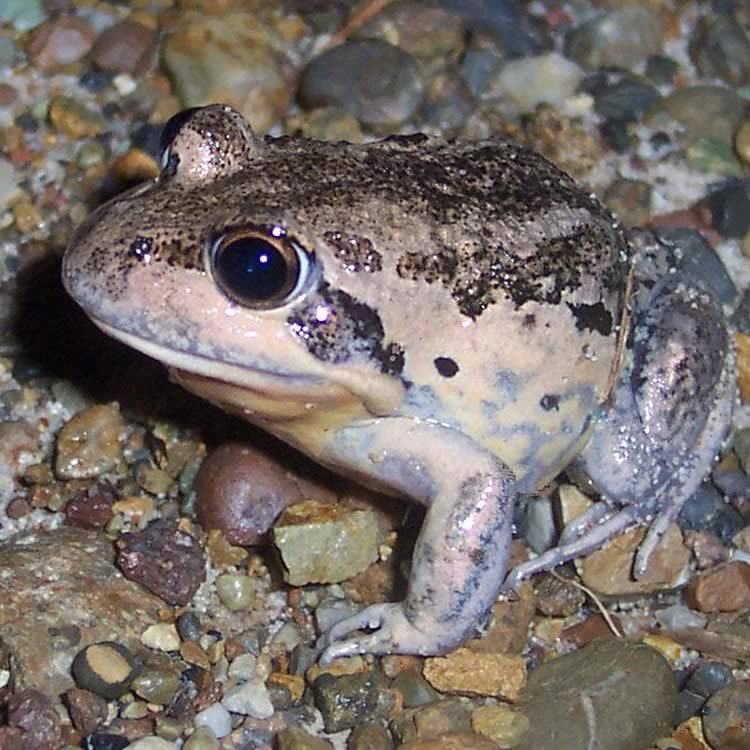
[(725, 717), (661, 70), (452, 741), (106, 668), (162, 637), (293, 738), (35, 716), (166, 561), (192, 653), (87, 710), (105, 741), (723, 589), (59, 42), (89, 443), (17, 508), (370, 735), (468, 672), (156, 686), (625, 99), (216, 718), (222, 553), (202, 739), (71, 118), (322, 543), (243, 667), (125, 47), (729, 208), (414, 688), (152, 743), (241, 491), (556, 597), (509, 625), (713, 156), (504, 725), (250, 698), (189, 626), (137, 509), (630, 200), (377, 82), (710, 677), (345, 700), (720, 48), (679, 616), (236, 592), (706, 511), (742, 142), (90, 508)]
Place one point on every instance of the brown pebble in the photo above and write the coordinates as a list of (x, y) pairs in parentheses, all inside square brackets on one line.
[(242, 491), (192, 653), (452, 741), (126, 47), (34, 715), (17, 508), (707, 548), (58, 42), (743, 364), (594, 626), (87, 710), (723, 589), (8, 94), (556, 597), (168, 562), (90, 508)]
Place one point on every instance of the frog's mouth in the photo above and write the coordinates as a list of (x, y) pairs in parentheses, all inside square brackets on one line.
[(253, 393)]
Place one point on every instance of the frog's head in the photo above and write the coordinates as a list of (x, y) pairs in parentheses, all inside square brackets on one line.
[(215, 268)]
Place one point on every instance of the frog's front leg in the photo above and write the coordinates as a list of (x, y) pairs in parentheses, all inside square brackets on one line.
[(461, 555)]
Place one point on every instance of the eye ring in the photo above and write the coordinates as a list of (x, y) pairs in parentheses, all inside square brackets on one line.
[(259, 268)]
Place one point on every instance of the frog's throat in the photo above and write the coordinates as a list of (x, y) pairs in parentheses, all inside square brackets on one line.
[(251, 391)]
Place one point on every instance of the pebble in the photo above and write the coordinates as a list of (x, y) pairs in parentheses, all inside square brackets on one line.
[(414, 688), (46, 632), (105, 741), (233, 63), (73, 119), (192, 653), (321, 543), (555, 597), (679, 616), (709, 677), (106, 668), (719, 48), (223, 554), (152, 743), (251, 698), (241, 491), (540, 530), (470, 672), (725, 717), (158, 686), (742, 142), (729, 207), (609, 682), (34, 715), (89, 443), (723, 589), (509, 625), (168, 562), (377, 82), (236, 592), (370, 735), (125, 47), (22, 14), (189, 626), (216, 718), (9, 179), (162, 637), (202, 739), (448, 102), (440, 717), (630, 200), (609, 570), (713, 156), (243, 667), (704, 111), (707, 511), (530, 81), (59, 42), (621, 38), (502, 724), (90, 508), (625, 99), (293, 738), (344, 700), (87, 710), (452, 741), (661, 70)]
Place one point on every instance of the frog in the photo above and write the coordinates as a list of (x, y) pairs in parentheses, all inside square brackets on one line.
[(453, 322)]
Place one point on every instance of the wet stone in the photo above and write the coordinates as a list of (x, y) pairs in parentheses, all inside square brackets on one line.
[(723, 589), (105, 741), (166, 561), (713, 156), (452, 741), (625, 99), (725, 717), (106, 669), (661, 70), (707, 511), (202, 739), (161, 637), (92, 602), (608, 682), (370, 735), (630, 200), (87, 710), (58, 42), (236, 592), (34, 716), (377, 82), (293, 738), (556, 598), (250, 698), (709, 677), (344, 700), (74, 120), (241, 491), (729, 208), (157, 686), (189, 626), (502, 724), (216, 718), (125, 47), (720, 48), (90, 508), (414, 688)]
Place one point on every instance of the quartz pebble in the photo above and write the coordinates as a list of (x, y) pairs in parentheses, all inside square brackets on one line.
[(236, 592), (216, 718), (250, 698), (162, 637)]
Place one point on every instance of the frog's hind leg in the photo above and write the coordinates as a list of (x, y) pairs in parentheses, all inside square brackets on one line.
[(671, 410)]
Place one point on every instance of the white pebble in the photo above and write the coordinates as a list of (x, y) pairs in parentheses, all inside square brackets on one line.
[(216, 718), (161, 637), (249, 699), (152, 743), (243, 667)]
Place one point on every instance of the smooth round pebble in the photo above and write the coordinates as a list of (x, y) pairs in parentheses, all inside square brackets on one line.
[(201, 739), (236, 592), (105, 668), (709, 677), (189, 626), (216, 718), (156, 686), (161, 637)]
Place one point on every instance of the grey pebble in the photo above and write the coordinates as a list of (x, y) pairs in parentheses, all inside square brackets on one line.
[(625, 99), (730, 208), (709, 677), (720, 48), (706, 510)]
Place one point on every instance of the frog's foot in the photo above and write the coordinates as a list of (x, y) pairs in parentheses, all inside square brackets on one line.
[(579, 526), (393, 633)]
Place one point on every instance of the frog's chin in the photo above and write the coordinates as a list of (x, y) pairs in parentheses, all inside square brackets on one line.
[(255, 394)]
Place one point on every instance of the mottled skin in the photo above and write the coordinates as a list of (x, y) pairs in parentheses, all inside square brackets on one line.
[(454, 336)]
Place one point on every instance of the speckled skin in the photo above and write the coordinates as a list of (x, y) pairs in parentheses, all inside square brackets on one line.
[(456, 337)]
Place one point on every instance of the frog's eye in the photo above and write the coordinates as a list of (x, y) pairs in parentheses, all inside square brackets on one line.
[(259, 270)]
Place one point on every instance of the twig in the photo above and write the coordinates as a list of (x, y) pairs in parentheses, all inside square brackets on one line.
[(594, 598), (370, 9)]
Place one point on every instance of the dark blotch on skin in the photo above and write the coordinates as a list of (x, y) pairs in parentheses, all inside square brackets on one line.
[(594, 317), (355, 253), (446, 366), (351, 328), (550, 401)]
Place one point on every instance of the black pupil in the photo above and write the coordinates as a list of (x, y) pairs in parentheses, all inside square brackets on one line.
[(252, 269)]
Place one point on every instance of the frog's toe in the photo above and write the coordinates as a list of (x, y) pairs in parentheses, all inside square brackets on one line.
[(392, 633)]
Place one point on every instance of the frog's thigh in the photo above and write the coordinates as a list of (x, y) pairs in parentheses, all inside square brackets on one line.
[(672, 409), (460, 557)]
